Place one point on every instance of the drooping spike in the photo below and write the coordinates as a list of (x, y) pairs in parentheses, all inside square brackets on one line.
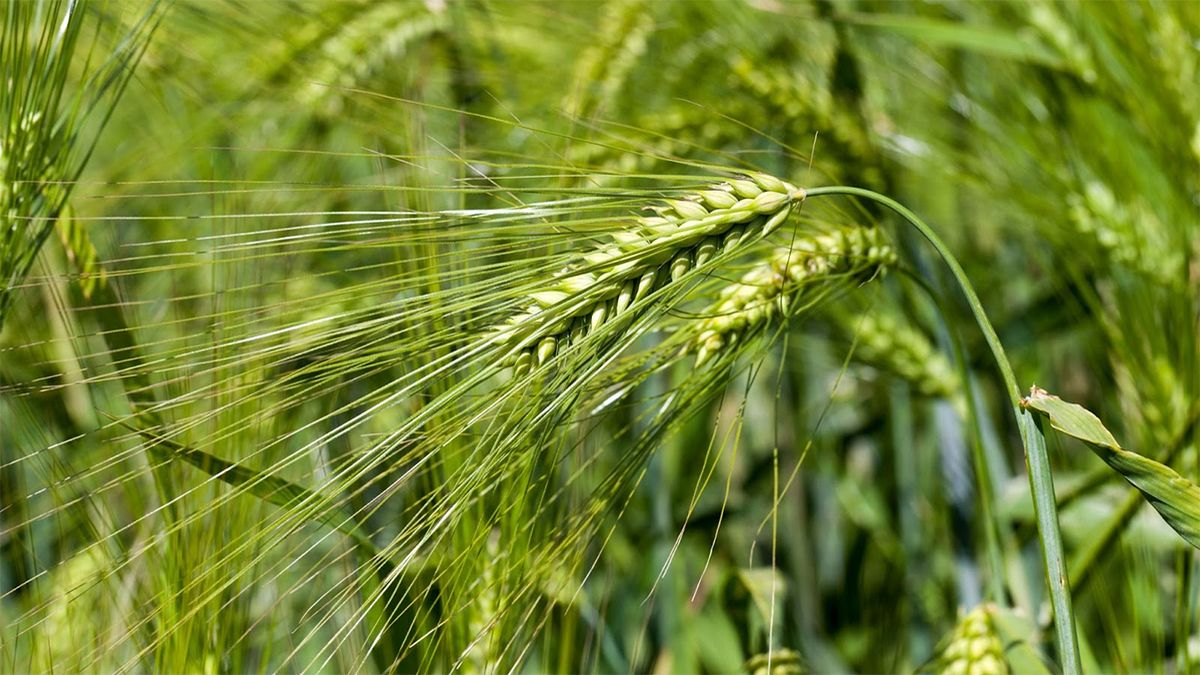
[(678, 237)]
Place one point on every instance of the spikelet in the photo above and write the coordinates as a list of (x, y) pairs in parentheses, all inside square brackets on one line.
[(684, 235), (974, 647), (768, 290)]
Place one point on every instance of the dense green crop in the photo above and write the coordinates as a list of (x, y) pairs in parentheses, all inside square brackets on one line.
[(625, 336)]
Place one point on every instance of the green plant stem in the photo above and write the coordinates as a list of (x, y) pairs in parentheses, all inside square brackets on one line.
[(1037, 461)]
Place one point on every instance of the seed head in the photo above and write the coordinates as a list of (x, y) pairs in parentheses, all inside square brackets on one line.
[(770, 289), (684, 234), (974, 646)]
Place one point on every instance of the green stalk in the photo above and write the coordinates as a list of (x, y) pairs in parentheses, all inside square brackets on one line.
[(1041, 481)]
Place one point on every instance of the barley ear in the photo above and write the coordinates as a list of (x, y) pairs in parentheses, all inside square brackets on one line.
[(768, 291), (973, 647), (688, 233)]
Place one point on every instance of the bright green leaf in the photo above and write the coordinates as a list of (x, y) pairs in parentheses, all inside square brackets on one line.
[(981, 39), (1175, 498), (1071, 419)]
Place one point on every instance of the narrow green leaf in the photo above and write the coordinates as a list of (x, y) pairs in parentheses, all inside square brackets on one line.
[(1071, 419), (937, 32), (269, 488), (1175, 498)]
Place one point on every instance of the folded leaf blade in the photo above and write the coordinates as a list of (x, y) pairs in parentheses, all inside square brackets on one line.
[(1176, 498)]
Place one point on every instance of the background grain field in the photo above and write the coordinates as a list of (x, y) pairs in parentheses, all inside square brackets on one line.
[(622, 336)]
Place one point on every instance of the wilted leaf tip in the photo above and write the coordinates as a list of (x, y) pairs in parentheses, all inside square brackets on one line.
[(1035, 392), (1070, 418)]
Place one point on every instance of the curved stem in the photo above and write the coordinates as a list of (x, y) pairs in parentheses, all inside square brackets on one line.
[(1036, 460)]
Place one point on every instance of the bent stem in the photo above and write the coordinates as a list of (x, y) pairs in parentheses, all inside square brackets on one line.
[(1036, 460)]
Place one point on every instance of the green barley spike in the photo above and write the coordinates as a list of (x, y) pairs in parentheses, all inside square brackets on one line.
[(974, 647), (656, 251), (768, 290)]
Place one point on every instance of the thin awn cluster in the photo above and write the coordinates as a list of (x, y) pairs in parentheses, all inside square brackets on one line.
[(684, 235)]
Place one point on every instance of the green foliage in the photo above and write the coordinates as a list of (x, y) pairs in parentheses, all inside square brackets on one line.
[(57, 92), (463, 335)]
